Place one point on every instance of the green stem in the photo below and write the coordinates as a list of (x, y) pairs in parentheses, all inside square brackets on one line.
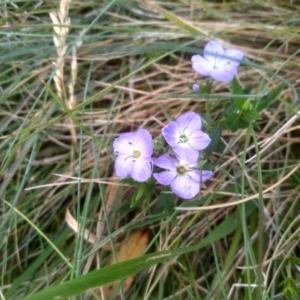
[(260, 215)]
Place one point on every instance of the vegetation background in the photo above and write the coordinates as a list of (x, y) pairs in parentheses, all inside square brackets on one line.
[(74, 75)]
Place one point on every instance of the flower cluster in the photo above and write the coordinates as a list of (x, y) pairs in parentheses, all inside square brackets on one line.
[(184, 135), (179, 166)]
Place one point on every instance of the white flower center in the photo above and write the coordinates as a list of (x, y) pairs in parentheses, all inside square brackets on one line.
[(136, 154), (220, 62), (215, 67), (183, 168), (183, 138)]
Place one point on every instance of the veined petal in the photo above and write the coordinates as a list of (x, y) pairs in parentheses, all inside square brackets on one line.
[(184, 187), (213, 52), (186, 153), (224, 74), (171, 133), (205, 175), (201, 65), (143, 142), (165, 177), (235, 56), (167, 162), (123, 165), (194, 175), (124, 144), (199, 140), (142, 169), (190, 121), (187, 163)]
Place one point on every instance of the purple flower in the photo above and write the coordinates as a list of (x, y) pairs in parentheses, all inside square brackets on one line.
[(134, 151), (218, 63), (181, 175), (185, 136), (196, 87)]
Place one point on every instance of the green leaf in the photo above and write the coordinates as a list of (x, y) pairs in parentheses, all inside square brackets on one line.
[(215, 136), (167, 201), (208, 84), (229, 108), (158, 143), (237, 90), (251, 115), (201, 164), (138, 195), (203, 89), (294, 259), (289, 288), (269, 99), (235, 121), (247, 90), (247, 105), (206, 118), (128, 180), (150, 187)]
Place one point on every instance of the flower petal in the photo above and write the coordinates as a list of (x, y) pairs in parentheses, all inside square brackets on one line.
[(234, 56), (199, 140), (184, 187), (205, 175), (217, 62), (225, 74), (167, 162), (201, 65), (171, 133), (187, 163), (143, 141), (190, 121), (124, 144), (123, 165), (194, 175), (165, 177), (186, 153), (142, 169), (213, 52)]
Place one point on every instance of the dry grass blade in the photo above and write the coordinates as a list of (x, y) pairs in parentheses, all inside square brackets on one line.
[(73, 224), (62, 22), (87, 235)]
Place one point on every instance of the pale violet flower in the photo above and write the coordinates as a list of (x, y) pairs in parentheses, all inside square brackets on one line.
[(196, 88), (134, 155), (217, 62), (185, 136), (181, 175)]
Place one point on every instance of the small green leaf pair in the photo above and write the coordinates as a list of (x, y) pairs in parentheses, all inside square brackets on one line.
[(247, 111)]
